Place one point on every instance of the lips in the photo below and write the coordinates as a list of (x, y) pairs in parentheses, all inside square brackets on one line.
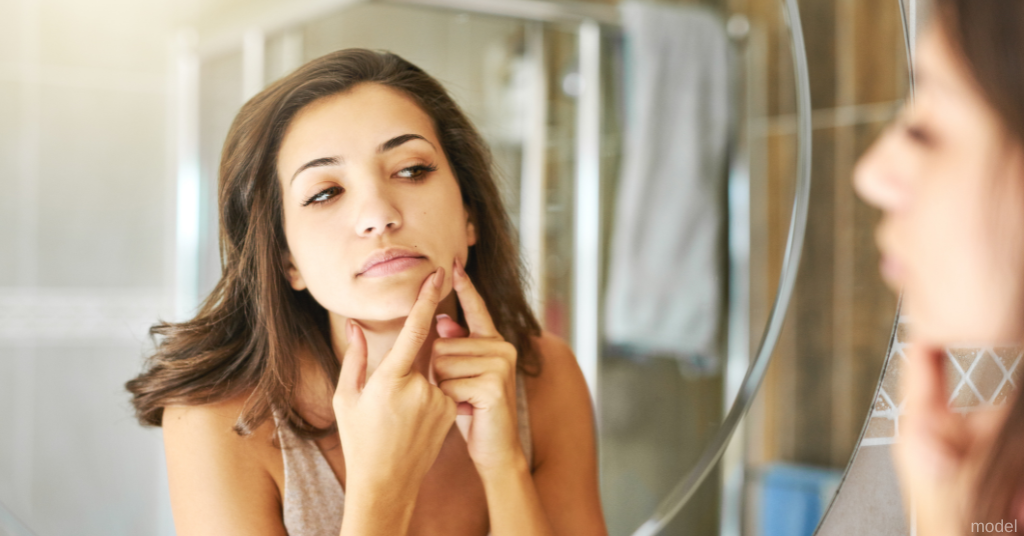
[(390, 261)]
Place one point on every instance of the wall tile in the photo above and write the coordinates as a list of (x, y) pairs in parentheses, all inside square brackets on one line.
[(15, 421), (103, 186), (87, 445), (10, 178), (869, 500), (986, 376), (880, 427)]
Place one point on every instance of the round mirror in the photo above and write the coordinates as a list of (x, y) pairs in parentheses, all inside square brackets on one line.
[(656, 159)]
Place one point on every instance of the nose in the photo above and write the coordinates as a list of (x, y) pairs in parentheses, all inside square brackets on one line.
[(880, 178), (377, 212)]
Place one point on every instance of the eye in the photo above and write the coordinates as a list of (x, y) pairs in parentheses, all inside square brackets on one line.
[(919, 135), (417, 172), (323, 196)]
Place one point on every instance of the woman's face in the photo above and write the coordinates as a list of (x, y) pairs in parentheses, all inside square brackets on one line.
[(371, 206), (949, 182)]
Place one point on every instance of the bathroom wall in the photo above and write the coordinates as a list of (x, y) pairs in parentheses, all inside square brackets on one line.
[(86, 237)]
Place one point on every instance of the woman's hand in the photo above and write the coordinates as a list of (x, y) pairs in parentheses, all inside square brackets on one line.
[(478, 370), (392, 426), (940, 453)]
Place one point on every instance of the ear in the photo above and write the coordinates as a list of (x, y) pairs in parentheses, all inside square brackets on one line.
[(294, 276), (470, 232)]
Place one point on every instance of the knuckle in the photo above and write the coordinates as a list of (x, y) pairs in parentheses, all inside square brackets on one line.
[(442, 364), (494, 382), (418, 334), (449, 408)]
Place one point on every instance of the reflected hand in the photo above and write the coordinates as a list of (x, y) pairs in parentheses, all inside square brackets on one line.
[(478, 370)]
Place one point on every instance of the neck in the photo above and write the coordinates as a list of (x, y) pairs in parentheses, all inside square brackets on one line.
[(382, 334)]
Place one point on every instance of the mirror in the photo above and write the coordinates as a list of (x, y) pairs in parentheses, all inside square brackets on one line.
[(550, 87)]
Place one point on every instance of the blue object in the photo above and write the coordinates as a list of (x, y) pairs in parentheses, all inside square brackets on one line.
[(794, 497)]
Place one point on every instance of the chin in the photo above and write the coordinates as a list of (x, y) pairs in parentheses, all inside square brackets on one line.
[(383, 307)]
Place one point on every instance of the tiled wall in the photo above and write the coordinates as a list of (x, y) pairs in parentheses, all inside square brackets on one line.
[(976, 377)]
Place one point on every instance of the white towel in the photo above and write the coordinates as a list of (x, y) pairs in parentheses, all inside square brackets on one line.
[(665, 275)]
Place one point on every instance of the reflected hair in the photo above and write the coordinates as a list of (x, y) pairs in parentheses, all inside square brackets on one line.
[(987, 36), (248, 332)]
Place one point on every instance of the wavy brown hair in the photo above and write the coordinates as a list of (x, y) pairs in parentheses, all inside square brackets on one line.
[(988, 35), (250, 329)]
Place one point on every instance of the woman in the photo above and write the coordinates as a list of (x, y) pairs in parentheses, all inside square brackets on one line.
[(370, 284), (949, 177)]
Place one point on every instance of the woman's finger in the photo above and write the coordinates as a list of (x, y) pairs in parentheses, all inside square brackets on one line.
[(398, 362), (481, 392), (452, 367), (924, 383), (477, 347), (353, 364), (478, 318), (448, 328), (928, 422)]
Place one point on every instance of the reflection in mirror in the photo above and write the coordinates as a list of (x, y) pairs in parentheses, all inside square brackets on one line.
[(696, 187)]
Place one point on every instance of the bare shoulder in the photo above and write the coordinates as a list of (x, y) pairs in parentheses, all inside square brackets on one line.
[(558, 368), (221, 482), (558, 397), (214, 425)]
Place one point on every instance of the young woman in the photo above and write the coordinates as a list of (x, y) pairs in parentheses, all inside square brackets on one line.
[(371, 291), (949, 177)]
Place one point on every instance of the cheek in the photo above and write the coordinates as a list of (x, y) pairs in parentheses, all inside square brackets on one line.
[(967, 257)]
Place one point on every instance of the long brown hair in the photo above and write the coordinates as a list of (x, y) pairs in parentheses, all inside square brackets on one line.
[(250, 329), (989, 37)]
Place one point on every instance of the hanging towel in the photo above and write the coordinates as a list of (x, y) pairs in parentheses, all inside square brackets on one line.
[(663, 294)]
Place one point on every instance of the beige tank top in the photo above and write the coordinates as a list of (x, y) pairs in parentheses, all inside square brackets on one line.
[(313, 498)]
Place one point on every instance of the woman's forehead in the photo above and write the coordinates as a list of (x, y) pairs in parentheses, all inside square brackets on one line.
[(360, 119), (940, 72)]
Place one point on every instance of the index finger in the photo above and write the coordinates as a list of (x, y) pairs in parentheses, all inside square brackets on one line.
[(416, 329), (478, 318), (923, 382)]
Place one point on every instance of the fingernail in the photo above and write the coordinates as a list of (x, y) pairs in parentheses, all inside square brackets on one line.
[(439, 278), (442, 316), (349, 330), (458, 267)]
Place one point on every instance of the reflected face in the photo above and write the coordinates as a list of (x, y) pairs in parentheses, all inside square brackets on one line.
[(950, 183), (371, 205)]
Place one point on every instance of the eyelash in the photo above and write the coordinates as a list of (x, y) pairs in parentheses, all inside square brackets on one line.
[(419, 170), (417, 176), (919, 135)]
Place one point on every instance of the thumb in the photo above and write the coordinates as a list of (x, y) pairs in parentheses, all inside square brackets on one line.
[(449, 329), (353, 365)]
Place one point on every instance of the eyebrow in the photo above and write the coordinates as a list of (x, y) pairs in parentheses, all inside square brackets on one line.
[(399, 140), (319, 162), (384, 147)]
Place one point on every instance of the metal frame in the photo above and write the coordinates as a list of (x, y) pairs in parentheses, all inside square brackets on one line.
[(10, 522), (587, 214)]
